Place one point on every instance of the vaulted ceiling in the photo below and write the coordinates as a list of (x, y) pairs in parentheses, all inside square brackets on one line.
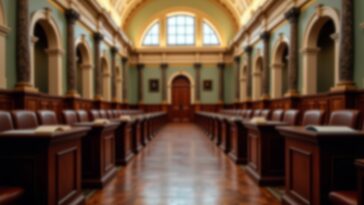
[(240, 10)]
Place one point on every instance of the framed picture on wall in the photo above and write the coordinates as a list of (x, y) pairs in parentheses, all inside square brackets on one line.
[(207, 85), (153, 85)]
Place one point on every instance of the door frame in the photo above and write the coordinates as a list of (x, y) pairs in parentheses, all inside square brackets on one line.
[(170, 85)]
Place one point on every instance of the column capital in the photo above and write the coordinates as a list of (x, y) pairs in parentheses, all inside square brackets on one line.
[(98, 36), (71, 15), (248, 49), (124, 59), (197, 65), (265, 36), (292, 14), (114, 50), (221, 65), (140, 66), (164, 65)]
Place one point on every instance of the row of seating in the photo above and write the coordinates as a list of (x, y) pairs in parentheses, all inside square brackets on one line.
[(102, 147), (236, 133)]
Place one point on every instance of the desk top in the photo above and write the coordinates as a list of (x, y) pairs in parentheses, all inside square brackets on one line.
[(31, 134), (300, 132)]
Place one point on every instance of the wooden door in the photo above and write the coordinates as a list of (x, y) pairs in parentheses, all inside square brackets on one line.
[(181, 99)]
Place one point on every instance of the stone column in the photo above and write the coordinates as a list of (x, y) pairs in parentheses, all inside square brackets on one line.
[(237, 61), (265, 36), (124, 62), (292, 16), (98, 37), (249, 51), (221, 67), (164, 68), (198, 67), (346, 63), (140, 68), (114, 50), (23, 47), (71, 16)]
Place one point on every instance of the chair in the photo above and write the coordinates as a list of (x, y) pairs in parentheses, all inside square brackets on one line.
[(24, 119), (291, 117), (47, 117), (110, 114), (277, 115), (248, 114), (69, 117), (257, 113), (266, 114), (6, 122), (82, 116), (103, 114), (11, 195), (344, 118), (94, 114), (313, 117)]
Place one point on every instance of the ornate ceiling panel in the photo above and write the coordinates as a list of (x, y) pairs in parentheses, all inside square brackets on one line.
[(241, 10)]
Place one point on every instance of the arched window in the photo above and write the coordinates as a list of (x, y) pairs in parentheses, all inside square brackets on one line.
[(181, 30), (152, 36), (209, 35)]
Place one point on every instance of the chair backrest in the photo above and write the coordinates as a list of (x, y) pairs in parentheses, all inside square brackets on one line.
[(248, 114), (313, 117), (110, 114), (103, 114), (257, 113), (94, 114), (266, 114), (277, 115), (291, 117), (116, 113), (24, 119), (47, 117), (344, 118), (6, 122), (69, 117), (82, 116)]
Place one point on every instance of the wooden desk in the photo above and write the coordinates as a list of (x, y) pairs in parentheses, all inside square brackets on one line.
[(319, 163), (123, 141), (98, 154), (225, 134), (265, 153), (360, 168), (218, 131), (239, 140), (136, 139), (47, 166)]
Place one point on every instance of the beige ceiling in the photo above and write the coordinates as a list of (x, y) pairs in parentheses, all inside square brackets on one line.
[(241, 10)]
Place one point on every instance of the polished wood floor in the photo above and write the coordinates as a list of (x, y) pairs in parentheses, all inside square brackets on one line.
[(182, 167)]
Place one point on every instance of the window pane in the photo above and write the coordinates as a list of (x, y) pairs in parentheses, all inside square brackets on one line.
[(181, 30), (209, 35), (152, 36)]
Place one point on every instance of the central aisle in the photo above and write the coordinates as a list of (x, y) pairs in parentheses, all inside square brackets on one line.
[(182, 167)]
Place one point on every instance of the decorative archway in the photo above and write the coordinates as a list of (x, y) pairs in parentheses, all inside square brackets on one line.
[(106, 78), (85, 71), (170, 82), (54, 51), (310, 49), (279, 78), (257, 77), (4, 30)]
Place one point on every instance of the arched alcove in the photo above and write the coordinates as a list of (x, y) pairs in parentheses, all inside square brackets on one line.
[(321, 40), (279, 80), (84, 69), (119, 84), (106, 79), (257, 78), (46, 53), (243, 83), (4, 30)]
